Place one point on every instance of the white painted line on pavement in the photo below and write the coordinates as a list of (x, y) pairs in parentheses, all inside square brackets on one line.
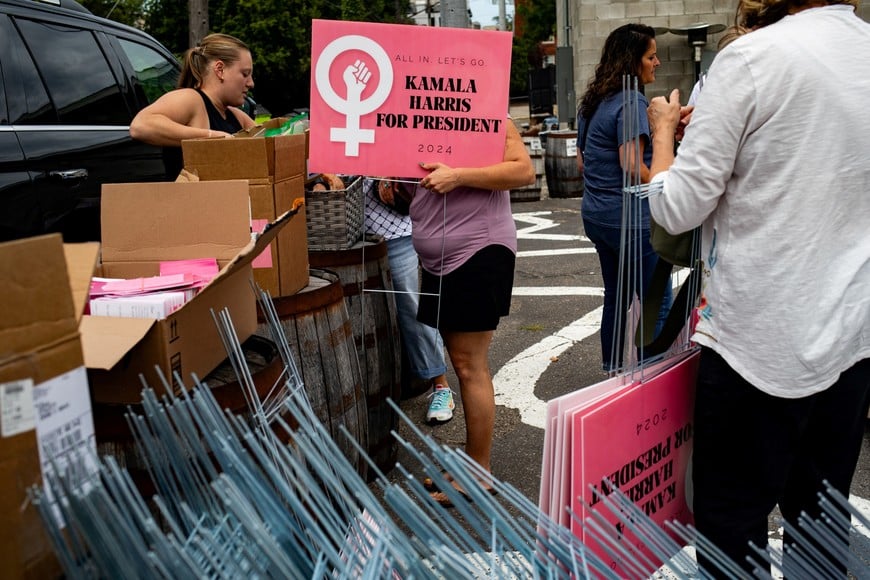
[(515, 382), (859, 503), (539, 224), (553, 237), (557, 291), (863, 506), (561, 252)]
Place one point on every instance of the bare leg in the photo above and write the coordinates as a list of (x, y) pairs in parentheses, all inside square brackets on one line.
[(469, 354), (439, 380)]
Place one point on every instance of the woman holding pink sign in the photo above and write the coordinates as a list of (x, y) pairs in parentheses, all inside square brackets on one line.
[(465, 236)]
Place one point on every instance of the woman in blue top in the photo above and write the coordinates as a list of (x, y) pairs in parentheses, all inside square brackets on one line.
[(608, 147)]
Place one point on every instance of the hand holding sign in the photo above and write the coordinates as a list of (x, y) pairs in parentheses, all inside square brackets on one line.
[(442, 179)]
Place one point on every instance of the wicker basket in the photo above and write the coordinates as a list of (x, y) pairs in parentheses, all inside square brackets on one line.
[(335, 218)]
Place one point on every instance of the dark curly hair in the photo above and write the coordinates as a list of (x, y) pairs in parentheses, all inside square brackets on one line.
[(621, 55)]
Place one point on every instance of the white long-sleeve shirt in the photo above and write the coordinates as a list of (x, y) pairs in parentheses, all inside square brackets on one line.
[(776, 165)]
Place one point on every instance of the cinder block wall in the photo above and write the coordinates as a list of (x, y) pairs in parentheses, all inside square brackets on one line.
[(592, 20)]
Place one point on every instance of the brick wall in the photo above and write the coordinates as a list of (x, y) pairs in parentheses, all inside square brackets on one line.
[(592, 20)]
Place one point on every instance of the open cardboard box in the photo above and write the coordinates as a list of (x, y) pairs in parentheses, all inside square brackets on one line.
[(43, 385), (247, 156), (275, 168), (144, 224)]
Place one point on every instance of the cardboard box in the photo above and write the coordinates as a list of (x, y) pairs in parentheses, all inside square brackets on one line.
[(144, 224), (275, 170), (246, 156), (40, 357), (289, 273)]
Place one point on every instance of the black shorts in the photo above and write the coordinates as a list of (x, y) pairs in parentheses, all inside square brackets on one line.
[(474, 296)]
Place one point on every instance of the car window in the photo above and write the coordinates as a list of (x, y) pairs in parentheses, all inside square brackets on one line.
[(4, 24), (76, 74), (156, 74), (32, 105), (4, 118)]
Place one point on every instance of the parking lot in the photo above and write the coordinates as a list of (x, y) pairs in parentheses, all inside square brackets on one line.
[(549, 345)]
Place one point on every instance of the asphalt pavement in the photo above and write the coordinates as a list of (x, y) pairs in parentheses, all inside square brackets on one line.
[(547, 347)]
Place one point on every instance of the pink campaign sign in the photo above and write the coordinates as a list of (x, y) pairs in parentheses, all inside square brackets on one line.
[(387, 97), (640, 441)]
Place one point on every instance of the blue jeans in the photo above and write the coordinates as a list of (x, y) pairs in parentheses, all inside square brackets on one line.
[(607, 240), (422, 343)]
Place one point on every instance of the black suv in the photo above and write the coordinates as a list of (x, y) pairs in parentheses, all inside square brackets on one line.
[(70, 83)]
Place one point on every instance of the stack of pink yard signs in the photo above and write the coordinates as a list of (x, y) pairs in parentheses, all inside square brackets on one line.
[(633, 431)]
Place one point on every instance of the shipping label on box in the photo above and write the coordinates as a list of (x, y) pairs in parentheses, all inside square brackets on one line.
[(40, 339), (65, 432), (16, 407), (59, 409)]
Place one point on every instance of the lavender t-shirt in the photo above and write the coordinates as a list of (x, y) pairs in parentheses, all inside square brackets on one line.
[(449, 229)]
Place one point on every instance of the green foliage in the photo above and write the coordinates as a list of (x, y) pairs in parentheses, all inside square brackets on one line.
[(392, 11), (128, 12), (167, 21), (277, 31), (538, 19), (279, 35)]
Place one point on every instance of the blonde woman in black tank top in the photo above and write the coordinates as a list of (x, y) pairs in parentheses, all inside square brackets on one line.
[(215, 79)]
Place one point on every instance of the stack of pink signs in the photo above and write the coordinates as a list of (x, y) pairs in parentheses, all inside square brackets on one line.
[(633, 431)]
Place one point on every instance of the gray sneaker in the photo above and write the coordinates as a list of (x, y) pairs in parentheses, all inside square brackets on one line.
[(441, 407)]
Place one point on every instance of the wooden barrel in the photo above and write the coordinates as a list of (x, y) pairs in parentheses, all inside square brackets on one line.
[(532, 192), (316, 326), (376, 333), (560, 164), (112, 432)]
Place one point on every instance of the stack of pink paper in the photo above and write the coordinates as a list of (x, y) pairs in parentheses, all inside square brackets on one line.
[(151, 297)]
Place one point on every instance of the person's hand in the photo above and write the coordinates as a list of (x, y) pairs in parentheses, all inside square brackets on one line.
[(385, 192), (215, 134), (665, 114), (442, 179), (685, 118)]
